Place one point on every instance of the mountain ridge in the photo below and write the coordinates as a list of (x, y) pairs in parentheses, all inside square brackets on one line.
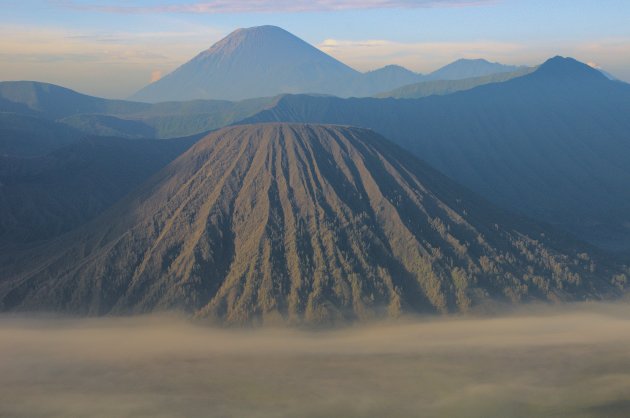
[(469, 68), (548, 146), (266, 61), (105, 117), (443, 87)]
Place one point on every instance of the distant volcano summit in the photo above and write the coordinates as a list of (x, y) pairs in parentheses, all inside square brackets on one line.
[(254, 62), (470, 68), (266, 61)]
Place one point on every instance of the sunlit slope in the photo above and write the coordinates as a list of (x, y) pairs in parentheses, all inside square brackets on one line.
[(300, 223)]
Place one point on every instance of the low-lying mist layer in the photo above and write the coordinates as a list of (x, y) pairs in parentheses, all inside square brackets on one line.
[(572, 362)]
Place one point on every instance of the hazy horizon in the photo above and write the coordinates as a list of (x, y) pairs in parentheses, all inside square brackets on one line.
[(112, 49)]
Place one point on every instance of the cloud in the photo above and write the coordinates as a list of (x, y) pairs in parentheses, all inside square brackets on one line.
[(544, 361), (268, 6), (155, 75), (108, 64)]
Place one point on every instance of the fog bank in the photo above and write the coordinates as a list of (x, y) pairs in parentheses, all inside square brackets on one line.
[(573, 362)]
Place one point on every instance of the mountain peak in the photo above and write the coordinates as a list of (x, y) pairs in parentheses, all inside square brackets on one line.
[(257, 31), (469, 68), (262, 29), (300, 223), (473, 60), (568, 68), (254, 37), (391, 67), (261, 61)]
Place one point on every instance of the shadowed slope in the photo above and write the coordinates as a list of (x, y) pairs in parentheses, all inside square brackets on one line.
[(552, 144), (28, 136), (301, 223), (97, 116), (44, 196)]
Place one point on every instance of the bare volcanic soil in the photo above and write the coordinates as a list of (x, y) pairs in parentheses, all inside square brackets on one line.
[(301, 224)]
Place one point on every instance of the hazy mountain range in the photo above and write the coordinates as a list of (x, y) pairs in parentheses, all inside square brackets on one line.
[(267, 61), (441, 87), (470, 68), (298, 207), (94, 115)]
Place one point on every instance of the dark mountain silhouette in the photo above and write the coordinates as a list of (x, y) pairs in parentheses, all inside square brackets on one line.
[(552, 144), (44, 196), (52, 101), (97, 116), (299, 223), (23, 135), (469, 68), (107, 125), (254, 62)]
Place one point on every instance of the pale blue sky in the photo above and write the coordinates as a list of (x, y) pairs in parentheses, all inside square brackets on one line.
[(113, 47)]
